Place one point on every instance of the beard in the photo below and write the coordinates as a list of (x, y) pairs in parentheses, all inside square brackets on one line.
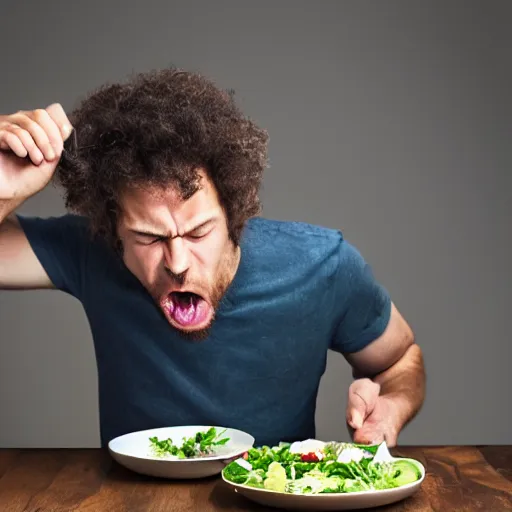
[(214, 299), (179, 296)]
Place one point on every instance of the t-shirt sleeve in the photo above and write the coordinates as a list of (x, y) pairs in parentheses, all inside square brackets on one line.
[(362, 305), (60, 244)]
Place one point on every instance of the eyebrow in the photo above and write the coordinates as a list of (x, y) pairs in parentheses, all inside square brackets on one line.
[(166, 235)]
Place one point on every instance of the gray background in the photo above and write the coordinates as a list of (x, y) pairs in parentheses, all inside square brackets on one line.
[(389, 120)]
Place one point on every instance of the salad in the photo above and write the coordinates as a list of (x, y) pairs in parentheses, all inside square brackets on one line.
[(315, 467), (202, 444)]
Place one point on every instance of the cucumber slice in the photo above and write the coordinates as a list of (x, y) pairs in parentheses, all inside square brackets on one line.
[(406, 472)]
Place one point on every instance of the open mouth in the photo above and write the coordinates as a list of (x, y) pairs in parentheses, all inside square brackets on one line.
[(187, 310)]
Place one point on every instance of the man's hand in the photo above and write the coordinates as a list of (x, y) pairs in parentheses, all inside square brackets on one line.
[(371, 418), (31, 143), (389, 389)]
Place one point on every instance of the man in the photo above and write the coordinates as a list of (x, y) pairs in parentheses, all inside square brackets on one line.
[(201, 312)]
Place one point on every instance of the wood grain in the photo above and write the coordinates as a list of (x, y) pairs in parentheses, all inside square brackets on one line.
[(459, 479)]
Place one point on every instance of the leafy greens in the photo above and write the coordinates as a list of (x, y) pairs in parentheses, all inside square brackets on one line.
[(330, 468), (201, 444)]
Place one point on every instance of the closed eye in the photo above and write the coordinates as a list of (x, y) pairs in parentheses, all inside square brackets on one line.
[(198, 235), (147, 240), (200, 232)]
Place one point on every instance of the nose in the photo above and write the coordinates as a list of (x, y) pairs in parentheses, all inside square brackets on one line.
[(176, 257)]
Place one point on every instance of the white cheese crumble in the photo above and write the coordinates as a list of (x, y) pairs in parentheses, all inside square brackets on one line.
[(244, 463), (350, 454), (309, 446)]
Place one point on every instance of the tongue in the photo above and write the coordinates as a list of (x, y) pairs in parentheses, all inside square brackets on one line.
[(184, 310), (188, 309)]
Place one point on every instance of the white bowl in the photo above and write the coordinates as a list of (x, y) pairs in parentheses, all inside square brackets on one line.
[(334, 501), (133, 451)]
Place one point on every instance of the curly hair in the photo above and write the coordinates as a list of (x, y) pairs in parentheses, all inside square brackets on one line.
[(158, 129)]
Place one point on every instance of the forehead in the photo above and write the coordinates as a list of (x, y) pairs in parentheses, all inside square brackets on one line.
[(156, 205)]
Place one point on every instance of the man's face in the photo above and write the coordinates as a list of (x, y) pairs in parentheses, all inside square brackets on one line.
[(180, 251)]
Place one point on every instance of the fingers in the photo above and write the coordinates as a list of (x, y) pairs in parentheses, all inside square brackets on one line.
[(21, 143), (35, 129), (369, 435), (362, 397), (375, 435), (9, 141), (46, 122), (39, 133), (60, 118)]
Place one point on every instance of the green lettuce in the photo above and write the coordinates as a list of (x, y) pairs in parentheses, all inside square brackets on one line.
[(289, 472)]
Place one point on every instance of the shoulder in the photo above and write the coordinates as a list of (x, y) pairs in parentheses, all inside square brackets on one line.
[(285, 232), (304, 242), (68, 230), (302, 237), (299, 248), (64, 222)]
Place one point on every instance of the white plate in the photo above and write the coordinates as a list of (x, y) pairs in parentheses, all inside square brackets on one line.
[(133, 451), (341, 501)]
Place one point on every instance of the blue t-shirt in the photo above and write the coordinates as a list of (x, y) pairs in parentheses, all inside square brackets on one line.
[(299, 291)]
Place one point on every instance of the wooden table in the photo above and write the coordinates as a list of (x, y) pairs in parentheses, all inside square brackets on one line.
[(458, 479)]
